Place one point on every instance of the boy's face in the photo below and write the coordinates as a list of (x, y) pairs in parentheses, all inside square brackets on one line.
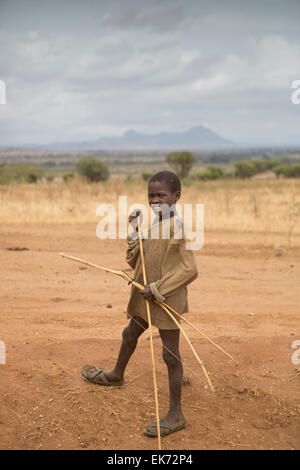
[(159, 193)]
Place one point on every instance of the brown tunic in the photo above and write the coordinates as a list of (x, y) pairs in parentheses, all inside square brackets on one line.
[(169, 269)]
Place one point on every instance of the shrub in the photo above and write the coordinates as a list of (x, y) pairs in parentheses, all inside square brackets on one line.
[(245, 169), (146, 175), (187, 182), (288, 170), (48, 163), (294, 170), (210, 173), (271, 163), (128, 179), (20, 173), (67, 176), (249, 168), (93, 169), (229, 175)]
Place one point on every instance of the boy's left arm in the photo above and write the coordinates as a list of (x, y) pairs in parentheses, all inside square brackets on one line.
[(181, 269)]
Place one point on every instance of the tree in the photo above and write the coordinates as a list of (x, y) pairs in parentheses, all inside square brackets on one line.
[(181, 162), (93, 169)]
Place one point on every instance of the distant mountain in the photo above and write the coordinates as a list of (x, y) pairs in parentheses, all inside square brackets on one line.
[(197, 137)]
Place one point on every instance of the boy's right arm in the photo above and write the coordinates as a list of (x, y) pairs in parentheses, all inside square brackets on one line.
[(133, 251), (133, 247)]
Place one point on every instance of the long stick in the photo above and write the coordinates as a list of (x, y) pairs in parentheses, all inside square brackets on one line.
[(108, 270), (127, 278), (191, 346), (195, 328), (151, 340)]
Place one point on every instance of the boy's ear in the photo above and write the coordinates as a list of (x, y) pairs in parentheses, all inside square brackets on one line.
[(177, 195)]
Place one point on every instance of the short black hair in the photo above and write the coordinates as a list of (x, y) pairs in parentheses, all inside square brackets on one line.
[(169, 178)]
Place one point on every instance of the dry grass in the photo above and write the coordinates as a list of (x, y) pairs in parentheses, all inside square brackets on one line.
[(267, 209)]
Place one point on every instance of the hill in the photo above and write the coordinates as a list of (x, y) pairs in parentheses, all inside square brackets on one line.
[(197, 137)]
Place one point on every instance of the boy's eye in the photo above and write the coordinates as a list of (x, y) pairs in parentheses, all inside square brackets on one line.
[(160, 195)]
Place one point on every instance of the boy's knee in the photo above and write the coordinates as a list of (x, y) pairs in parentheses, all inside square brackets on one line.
[(170, 358), (127, 336)]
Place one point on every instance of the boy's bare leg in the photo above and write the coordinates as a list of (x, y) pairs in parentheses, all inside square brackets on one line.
[(130, 336), (171, 356)]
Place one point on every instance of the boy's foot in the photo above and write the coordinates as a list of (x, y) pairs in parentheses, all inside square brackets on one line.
[(166, 427), (100, 376)]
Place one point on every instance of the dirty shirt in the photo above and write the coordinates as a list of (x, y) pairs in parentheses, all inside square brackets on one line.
[(169, 269)]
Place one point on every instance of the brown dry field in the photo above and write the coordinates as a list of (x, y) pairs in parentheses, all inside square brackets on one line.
[(54, 318)]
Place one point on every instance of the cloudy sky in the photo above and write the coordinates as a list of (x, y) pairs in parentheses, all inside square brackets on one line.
[(80, 70)]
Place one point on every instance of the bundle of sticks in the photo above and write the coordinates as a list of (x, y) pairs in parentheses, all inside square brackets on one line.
[(169, 310)]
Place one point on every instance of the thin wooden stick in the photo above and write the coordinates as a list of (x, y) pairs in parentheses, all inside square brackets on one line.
[(108, 270), (151, 340), (195, 328), (191, 346), (127, 278)]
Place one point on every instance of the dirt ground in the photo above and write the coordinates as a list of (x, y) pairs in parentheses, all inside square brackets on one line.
[(57, 315)]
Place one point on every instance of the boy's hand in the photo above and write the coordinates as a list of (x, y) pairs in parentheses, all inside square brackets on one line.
[(132, 219), (146, 293)]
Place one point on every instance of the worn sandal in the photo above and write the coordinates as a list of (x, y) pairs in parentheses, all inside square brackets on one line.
[(97, 376), (165, 429)]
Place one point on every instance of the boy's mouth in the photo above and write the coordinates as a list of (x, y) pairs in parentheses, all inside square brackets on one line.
[(162, 210), (156, 208)]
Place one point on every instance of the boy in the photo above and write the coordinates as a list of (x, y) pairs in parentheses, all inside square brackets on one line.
[(169, 268)]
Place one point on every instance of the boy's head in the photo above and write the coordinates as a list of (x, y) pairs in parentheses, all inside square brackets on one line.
[(163, 188)]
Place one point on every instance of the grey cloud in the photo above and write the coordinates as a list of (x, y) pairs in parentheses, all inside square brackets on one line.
[(156, 16), (151, 66)]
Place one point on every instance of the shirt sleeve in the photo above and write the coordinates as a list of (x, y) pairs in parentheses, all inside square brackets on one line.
[(181, 270), (133, 251)]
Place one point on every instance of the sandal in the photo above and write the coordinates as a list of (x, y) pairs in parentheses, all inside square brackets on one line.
[(165, 429), (97, 376)]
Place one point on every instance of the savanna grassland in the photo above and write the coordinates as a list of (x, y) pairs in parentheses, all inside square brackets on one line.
[(262, 211), (57, 315)]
